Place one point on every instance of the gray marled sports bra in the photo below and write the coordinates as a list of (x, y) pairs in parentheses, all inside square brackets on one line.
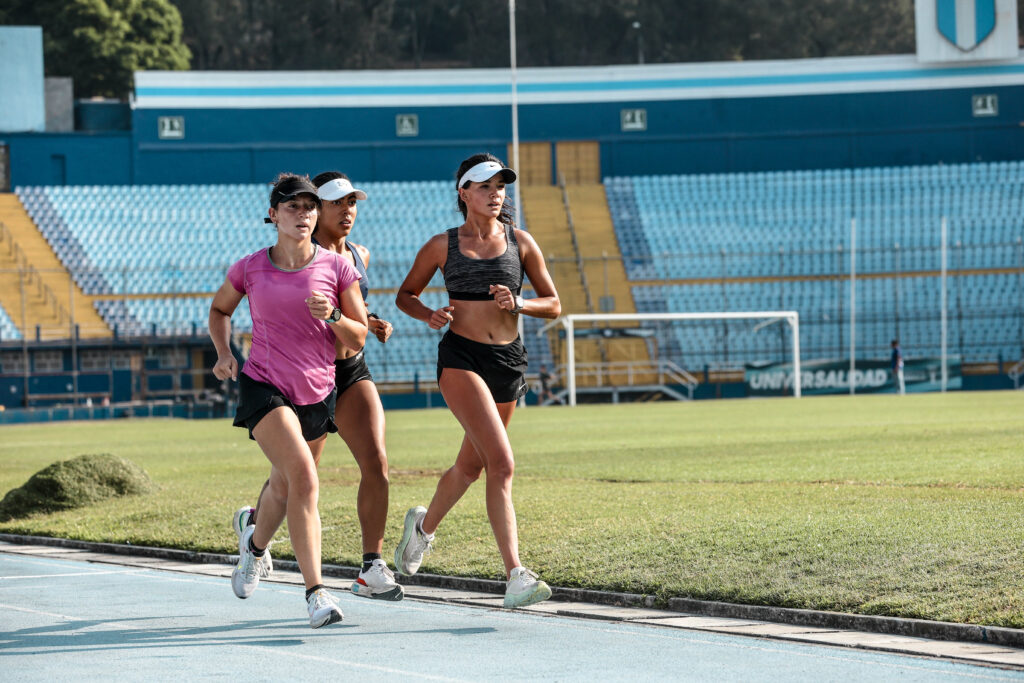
[(469, 279)]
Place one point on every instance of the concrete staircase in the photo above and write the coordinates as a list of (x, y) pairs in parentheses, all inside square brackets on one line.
[(545, 216), (605, 274), (544, 209), (596, 247), (53, 302)]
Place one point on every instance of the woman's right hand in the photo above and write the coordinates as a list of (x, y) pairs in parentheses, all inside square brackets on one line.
[(226, 367), (441, 317)]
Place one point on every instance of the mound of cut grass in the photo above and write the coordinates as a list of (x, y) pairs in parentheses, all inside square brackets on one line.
[(73, 483)]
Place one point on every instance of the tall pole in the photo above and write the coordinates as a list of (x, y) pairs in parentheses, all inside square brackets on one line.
[(515, 99), (794, 323), (516, 194), (74, 337), (945, 370), (853, 303)]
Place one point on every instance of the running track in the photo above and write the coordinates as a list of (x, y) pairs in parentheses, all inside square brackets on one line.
[(63, 619)]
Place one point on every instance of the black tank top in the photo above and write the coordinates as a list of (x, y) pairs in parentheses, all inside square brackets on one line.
[(364, 285), (469, 279)]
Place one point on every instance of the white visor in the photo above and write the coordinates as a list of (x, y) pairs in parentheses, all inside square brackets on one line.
[(338, 188), (485, 171)]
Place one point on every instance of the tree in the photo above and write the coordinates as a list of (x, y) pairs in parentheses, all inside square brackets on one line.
[(101, 43), (356, 34)]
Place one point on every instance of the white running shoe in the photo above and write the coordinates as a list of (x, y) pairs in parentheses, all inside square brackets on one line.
[(246, 575), (323, 608), (242, 519), (414, 544), (525, 589), (378, 582)]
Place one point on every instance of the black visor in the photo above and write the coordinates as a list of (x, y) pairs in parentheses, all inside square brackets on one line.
[(287, 189)]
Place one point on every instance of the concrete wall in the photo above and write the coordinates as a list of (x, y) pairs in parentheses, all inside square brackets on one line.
[(60, 105), (22, 97)]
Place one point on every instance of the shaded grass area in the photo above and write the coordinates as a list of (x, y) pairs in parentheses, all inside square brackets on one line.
[(908, 506)]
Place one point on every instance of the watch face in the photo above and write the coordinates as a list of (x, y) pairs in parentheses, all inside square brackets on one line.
[(335, 315)]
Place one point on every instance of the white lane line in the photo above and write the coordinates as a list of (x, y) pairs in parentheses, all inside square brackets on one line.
[(343, 662), (35, 611), (275, 652), (58, 576)]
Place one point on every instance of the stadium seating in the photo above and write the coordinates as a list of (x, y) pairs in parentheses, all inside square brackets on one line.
[(891, 307), (786, 223), (171, 243), (151, 256), (782, 230), (180, 239), (8, 330)]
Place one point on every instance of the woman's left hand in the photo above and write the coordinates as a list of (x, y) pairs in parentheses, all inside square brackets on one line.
[(503, 296)]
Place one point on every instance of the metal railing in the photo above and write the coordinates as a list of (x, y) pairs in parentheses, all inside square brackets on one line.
[(31, 279), (575, 243), (1016, 374), (656, 375)]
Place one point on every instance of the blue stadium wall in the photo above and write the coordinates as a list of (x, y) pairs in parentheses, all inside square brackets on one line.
[(712, 118)]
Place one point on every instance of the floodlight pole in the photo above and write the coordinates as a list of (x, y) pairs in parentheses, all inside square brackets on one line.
[(515, 96), (516, 194)]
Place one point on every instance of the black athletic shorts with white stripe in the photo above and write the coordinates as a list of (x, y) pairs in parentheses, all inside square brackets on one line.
[(501, 366), (348, 371)]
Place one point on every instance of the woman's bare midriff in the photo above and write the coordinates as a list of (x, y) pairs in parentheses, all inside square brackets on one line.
[(483, 321), (341, 352)]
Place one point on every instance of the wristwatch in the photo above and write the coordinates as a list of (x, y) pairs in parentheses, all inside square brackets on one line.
[(519, 303), (335, 315)]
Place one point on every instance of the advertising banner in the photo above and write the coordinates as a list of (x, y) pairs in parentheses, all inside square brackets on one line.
[(832, 377)]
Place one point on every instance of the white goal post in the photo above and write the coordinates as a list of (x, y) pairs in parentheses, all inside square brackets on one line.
[(769, 317)]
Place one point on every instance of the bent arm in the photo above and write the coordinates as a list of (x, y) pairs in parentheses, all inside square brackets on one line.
[(351, 329), (430, 257), (225, 301), (546, 304)]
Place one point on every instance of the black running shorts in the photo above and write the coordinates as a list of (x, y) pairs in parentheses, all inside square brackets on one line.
[(256, 399), (501, 366), (348, 371)]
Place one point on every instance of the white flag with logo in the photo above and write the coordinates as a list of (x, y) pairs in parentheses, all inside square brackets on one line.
[(966, 30)]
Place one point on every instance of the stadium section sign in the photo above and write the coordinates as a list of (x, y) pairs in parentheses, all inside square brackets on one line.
[(966, 30), (832, 377)]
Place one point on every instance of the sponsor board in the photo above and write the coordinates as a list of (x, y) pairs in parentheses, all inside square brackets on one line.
[(833, 377)]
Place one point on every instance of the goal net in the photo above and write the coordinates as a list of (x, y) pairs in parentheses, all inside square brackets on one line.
[(610, 353)]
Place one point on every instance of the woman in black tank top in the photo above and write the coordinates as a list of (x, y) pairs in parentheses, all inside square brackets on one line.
[(481, 359)]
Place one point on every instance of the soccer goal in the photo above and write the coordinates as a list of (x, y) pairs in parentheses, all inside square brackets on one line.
[(572, 331)]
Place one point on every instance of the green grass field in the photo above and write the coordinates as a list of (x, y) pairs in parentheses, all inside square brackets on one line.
[(908, 506)]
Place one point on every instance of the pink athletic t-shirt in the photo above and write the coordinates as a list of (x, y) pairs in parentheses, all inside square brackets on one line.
[(290, 349)]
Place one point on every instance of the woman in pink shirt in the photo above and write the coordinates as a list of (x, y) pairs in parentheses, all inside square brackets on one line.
[(358, 411), (301, 298)]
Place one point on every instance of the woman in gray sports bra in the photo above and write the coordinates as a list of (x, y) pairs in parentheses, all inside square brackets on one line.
[(481, 361)]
